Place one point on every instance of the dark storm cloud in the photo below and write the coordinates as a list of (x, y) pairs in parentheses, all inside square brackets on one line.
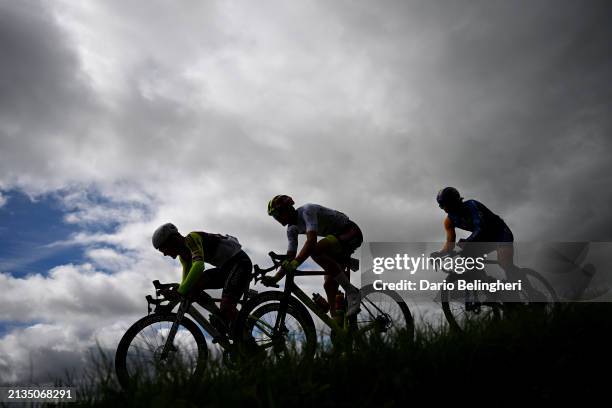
[(45, 102), (38, 70), (514, 108)]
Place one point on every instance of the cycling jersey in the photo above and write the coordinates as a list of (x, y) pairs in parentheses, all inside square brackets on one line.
[(485, 226), (313, 217), (215, 249)]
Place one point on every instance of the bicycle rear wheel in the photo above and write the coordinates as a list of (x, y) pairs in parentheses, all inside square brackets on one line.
[(138, 356), (538, 293), (384, 314)]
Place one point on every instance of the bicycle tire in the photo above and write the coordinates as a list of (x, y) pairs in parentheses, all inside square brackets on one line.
[(126, 379), (269, 302), (552, 299), (403, 322), (491, 312)]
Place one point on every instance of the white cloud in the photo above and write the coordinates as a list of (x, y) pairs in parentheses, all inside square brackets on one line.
[(74, 306)]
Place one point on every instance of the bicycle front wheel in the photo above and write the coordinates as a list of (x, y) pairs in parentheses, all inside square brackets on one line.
[(464, 308), (537, 289), (139, 353), (385, 314)]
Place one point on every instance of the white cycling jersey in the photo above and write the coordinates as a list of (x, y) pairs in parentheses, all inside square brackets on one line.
[(313, 217)]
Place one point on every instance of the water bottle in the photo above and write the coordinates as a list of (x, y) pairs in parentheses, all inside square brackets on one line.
[(321, 302)]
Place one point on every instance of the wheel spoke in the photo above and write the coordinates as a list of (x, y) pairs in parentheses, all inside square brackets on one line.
[(383, 314), (289, 338)]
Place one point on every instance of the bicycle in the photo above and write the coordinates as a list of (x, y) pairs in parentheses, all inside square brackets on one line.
[(280, 322), (163, 343), (470, 306)]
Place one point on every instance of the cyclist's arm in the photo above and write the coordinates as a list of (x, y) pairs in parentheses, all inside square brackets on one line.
[(194, 242), (194, 274), (451, 236), (311, 242), (477, 222), (311, 221), (309, 245)]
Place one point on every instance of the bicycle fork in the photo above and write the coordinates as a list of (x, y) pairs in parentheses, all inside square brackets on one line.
[(169, 345), (282, 311)]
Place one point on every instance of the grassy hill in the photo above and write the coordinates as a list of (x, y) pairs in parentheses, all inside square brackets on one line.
[(531, 359)]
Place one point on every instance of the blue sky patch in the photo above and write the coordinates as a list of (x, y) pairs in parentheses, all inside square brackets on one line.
[(27, 227), (8, 326)]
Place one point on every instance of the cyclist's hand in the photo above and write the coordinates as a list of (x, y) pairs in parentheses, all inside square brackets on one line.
[(290, 266), (172, 294), (462, 242), (270, 280)]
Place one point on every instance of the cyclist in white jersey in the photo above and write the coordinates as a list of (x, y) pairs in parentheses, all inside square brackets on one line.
[(341, 237)]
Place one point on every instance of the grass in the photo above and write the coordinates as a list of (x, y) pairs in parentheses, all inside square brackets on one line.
[(531, 359)]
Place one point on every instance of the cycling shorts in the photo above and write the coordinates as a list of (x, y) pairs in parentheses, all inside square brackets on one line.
[(489, 242), (233, 277), (347, 241)]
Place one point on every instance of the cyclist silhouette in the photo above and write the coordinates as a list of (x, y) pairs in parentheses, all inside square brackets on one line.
[(341, 237), (232, 272), (487, 229)]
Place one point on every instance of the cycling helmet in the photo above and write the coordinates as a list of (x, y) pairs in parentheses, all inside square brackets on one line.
[(278, 202), (448, 195), (161, 234)]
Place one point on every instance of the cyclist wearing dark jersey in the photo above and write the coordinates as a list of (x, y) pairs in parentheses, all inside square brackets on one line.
[(341, 237), (485, 227), (232, 271)]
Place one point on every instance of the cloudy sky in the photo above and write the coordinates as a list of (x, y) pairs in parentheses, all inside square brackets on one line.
[(118, 116)]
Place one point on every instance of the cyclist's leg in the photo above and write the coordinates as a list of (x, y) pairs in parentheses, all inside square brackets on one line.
[(505, 255), (330, 253), (238, 276), (213, 278), (331, 290), (351, 238), (327, 254), (323, 255)]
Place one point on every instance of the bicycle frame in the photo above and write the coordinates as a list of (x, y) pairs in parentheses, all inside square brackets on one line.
[(187, 307), (292, 289), (200, 319), (472, 306)]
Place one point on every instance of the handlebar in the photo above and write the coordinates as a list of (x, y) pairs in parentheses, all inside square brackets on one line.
[(277, 257), (259, 272), (162, 288)]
